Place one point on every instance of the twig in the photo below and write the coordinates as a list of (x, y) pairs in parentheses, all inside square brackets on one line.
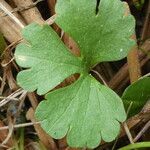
[(29, 15), (6, 64), (20, 125), (115, 143), (11, 15), (134, 65), (128, 132), (51, 20), (13, 44), (100, 77), (15, 99), (33, 100), (22, 98), (19, 9), (145, 128), (126, 126), (11, 97), (3, 83), (7, 67)]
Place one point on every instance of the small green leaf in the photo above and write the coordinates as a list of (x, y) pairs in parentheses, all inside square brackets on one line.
[(86, 111), (138, 94), (48, 59), (105, 36)]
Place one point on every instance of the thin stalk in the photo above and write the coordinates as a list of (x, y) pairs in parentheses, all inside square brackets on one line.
[(100, 77), (134, 65), (127, 130)]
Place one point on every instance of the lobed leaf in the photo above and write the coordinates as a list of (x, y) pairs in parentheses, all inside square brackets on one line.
[(48, 60), (105, 36), (86, 111)]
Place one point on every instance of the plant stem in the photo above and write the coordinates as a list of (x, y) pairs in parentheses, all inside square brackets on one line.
[(136, 145), (128, 133), (134, 65)]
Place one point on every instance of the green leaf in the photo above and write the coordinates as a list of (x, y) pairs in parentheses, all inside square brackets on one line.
[(138, 94), (2, 44), (86, 111), (101, 37), (48, 59)]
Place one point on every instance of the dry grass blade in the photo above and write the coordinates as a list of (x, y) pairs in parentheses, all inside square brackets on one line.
[(128, 133), (8, 27), (51, 20), (19, 9), (30, 15), (19, 125), (144, 129), (11, 97), (13, 17)]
